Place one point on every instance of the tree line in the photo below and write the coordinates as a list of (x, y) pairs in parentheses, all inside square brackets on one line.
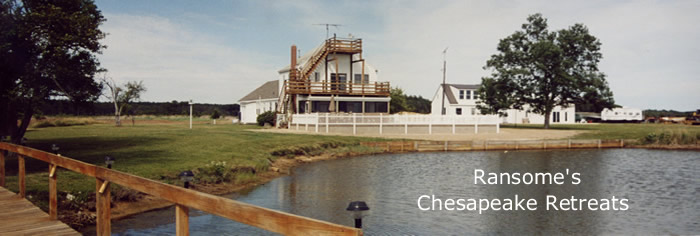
[(67, 107)]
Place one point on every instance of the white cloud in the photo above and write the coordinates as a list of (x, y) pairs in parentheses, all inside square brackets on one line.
[(178, 63)]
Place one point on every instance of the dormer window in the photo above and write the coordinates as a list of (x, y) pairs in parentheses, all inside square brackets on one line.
[(461, 94), (469, 94)]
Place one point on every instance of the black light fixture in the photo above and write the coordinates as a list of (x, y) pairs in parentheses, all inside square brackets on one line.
[(187, 176), (358, 209), (109, 161), (54, 148)]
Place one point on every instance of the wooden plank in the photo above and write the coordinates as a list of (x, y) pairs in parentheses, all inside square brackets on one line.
[(53, 193), (271, 220), (182, 220), (21, 217), (21, 176), (104, 226), (2, 168)]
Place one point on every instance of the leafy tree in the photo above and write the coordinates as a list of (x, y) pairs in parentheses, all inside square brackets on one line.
[(216, 114), (398, 100), (418, 104), (122, 96), (47, 51), (543, 69)]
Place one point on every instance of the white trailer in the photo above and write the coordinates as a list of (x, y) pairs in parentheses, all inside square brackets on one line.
[(624, 114)]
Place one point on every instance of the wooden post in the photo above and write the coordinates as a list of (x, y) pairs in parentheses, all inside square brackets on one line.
[(182, 221), (381, 119), (569, 144), (104, 225), (2, 168), (20, 176), (544, 144), (354, 124), (622, 143), (599, 142), (53, 193), (445, 145)]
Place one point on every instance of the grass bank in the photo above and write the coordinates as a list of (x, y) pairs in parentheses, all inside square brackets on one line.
[(217, 154), (620, 131)]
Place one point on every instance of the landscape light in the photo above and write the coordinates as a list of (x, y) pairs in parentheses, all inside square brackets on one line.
[(54, 148), (358, 209), (109, 161), (187, 176)]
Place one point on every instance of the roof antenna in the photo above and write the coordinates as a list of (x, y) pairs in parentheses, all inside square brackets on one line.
[(444, 87), (327, 25)]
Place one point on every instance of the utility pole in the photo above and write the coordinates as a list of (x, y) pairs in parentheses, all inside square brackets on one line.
[(444, 87), (190, 113), (327, 25)]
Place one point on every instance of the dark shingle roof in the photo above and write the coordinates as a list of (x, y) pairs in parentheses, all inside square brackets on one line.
[(269, 89)]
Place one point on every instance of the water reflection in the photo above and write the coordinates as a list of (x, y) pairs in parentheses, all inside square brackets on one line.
[(662, 188)]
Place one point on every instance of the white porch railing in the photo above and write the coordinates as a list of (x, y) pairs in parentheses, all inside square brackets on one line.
[(324, 121)]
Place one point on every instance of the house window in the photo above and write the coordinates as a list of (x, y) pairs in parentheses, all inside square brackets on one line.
[(555, 117), (566, 118), (458, 111), (358, 78), (338, 81), (316, 77), (461, 94), (473, 111), (469, 94), (476, 96)]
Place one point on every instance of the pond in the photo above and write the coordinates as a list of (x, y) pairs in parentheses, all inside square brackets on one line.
[(661, 188)]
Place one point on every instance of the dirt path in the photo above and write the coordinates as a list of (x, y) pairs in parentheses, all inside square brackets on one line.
[(506, 134)]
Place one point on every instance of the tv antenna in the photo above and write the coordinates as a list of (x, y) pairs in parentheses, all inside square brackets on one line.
[(444, 86), (327, 26)]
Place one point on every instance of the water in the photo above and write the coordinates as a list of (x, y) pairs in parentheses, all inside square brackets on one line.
[(662, 188)]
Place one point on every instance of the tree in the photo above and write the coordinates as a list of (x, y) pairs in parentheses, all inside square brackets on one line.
[(537, 69), (216, 114), (268, 117), (398, 100), (47, 51), (122, 96)]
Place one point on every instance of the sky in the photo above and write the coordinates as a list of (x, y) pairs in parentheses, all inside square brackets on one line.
[(218, 51)]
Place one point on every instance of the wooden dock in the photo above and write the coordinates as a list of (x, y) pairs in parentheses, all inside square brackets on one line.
[(21, 217)]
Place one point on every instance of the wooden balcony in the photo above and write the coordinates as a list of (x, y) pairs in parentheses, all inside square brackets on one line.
[(340, 45), (335, 88)]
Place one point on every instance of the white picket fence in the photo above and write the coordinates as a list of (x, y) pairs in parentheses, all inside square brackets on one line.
[(323, 122)]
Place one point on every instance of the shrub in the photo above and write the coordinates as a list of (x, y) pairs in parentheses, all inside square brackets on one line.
[(666, 137), (215, 172), (267, 117), (215, 114)]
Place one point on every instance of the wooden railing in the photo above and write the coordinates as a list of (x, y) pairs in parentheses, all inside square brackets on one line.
[(335, 88), (271, 220), (344, 45), (478, 145)]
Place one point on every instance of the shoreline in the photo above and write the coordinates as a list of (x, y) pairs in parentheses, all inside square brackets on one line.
[(281, 167)]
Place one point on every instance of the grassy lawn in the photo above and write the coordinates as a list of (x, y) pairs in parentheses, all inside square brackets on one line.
[(159, 151), (616, 131)]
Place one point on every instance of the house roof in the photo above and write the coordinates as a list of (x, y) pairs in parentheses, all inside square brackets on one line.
[(269, 89), (451, 97)]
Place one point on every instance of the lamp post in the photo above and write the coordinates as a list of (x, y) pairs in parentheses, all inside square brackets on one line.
[(109, 161), (187, 176), (358, 210), (54, 148), (190, 113)]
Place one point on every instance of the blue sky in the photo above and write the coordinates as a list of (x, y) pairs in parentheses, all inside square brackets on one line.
[(218, 51)]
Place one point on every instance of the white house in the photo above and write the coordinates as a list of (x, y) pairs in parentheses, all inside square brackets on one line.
[(624, 114), (461, 99), (262, 99)]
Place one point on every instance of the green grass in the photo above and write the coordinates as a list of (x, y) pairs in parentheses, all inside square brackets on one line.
[(162, 151), (615, 131)]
